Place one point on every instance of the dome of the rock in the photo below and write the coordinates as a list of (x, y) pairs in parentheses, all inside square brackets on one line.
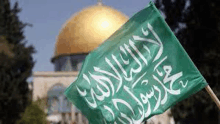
[(86, 29)]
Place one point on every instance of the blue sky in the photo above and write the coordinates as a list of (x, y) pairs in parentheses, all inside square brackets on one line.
[(48, 16)]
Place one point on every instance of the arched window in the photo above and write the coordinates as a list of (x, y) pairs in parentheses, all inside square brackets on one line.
[(57, 102)]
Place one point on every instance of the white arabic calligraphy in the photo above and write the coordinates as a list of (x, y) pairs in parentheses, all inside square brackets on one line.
[(105, 83)]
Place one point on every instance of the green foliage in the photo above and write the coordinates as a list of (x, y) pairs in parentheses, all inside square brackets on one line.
[(196, 23), (6, 48), (16, 64), (33, 115)]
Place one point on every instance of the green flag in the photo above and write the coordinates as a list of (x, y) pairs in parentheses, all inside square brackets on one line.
[(139, 71)]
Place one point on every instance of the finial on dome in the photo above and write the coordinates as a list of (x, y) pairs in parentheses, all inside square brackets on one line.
[(99, 2)]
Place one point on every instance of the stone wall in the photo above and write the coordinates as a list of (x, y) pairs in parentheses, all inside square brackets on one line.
[(43, 81)]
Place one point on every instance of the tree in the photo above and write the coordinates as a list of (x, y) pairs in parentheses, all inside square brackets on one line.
[(16, 64), (196, 24), (33, 114)]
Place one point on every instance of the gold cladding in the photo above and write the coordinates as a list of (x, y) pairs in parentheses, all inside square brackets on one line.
[(87, 29)]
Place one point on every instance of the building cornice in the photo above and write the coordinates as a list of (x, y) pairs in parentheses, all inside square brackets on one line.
[(55, 74)]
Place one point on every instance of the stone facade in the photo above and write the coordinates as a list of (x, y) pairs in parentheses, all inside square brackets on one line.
[(43, 82)]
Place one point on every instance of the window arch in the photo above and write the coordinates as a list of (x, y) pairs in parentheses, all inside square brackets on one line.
[(57, 102)]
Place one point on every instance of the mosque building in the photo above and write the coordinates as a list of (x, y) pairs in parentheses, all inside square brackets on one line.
[(82, 33)]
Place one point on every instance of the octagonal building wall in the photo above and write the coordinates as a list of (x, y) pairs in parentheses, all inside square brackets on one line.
[(44, 81)]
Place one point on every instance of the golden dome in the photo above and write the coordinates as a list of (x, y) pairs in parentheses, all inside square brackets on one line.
[(87, 29)]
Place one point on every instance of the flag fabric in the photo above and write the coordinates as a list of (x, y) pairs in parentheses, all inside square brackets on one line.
[(139, 71)]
